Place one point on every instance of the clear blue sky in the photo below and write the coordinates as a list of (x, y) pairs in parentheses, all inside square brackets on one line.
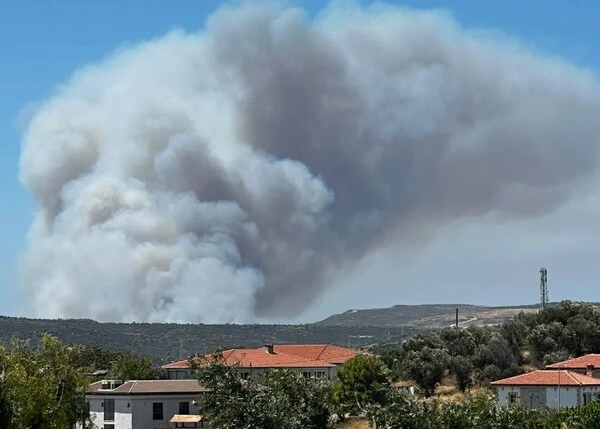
[(43, 42)]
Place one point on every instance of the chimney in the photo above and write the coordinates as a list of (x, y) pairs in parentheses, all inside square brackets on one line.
[(590, 370), (268, 349)]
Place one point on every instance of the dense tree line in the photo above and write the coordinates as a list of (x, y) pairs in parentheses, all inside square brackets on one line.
[(478, 355), (41, 387), (286, 400), (166, 342)]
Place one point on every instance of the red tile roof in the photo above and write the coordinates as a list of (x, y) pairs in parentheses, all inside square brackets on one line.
[(581, 362), (283, 356), (543, 377)]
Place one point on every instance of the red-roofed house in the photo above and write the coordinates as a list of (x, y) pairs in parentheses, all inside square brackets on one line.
[(312, 360), (549, 388), (588, 364)]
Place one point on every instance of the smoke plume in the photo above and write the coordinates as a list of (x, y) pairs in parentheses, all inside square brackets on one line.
[(230, 174)]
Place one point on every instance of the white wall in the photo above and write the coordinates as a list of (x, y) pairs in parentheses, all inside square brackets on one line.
[(122, 411), (135, 412), (503, 394), (568, 396), (330, 372), (142, 410)]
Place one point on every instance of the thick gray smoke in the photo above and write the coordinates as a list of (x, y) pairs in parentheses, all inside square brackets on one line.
[(230, 174)]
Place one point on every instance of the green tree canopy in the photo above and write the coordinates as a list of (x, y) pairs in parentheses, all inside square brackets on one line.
[(282, 399), (362, 380)]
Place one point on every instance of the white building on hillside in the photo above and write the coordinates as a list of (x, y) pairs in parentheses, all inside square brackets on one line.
[(144, 404), (544, 389)]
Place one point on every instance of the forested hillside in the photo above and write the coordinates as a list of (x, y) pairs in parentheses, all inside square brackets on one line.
[(168, 341)]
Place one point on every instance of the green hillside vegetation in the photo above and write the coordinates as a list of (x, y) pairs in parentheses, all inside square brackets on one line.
[(477, 355), (165, 342)]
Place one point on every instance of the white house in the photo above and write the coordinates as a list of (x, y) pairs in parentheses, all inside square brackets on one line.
[(548, 389), (311, 360), (144, 404)]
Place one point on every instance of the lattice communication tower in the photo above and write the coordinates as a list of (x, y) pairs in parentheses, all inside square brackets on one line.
[(544, 287)]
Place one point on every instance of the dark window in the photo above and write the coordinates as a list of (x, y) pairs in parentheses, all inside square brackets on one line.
[(110, 426), (109, 410), (157, 411), (184, 408)]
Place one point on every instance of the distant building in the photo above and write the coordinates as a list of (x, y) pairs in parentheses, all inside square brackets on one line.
[(588, 365), (549, 388), (312, 360), (144, 404)]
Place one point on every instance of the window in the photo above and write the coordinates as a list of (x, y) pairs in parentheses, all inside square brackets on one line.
[(109, 410), (320, 374), (306, 374), (512, 397), (157, 411), (184, 408), (110, 426), (244, 375), (587, 398)]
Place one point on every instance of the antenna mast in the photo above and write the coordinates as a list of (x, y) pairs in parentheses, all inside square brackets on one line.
[(544, 287)]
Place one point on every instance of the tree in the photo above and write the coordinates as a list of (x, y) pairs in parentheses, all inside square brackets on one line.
[(458, 342), (363, 380), (5, 410), (129, 366), (283, 399), (426, 367), (462, 368), (43, 390)]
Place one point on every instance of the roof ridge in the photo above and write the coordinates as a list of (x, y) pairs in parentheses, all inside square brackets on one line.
[(322, 351), (570, 374), (132, 386)]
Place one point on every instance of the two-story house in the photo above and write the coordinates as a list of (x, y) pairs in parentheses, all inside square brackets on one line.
[(144, 404)]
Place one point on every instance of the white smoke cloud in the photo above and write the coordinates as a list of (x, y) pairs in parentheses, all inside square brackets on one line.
[(230, 174)]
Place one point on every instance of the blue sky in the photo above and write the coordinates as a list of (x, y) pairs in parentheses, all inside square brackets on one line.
[(43, 42)]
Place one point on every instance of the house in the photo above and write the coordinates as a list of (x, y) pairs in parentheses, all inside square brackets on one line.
[(588, 364), (144, 404), (548, 388), (312, 360)]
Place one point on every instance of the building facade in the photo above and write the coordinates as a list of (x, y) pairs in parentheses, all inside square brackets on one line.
[(142, 404), (547, 389), (311, 360)]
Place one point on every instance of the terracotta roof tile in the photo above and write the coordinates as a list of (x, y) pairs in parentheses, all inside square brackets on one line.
[(581, 362), (185, 418), (543, 377), (283, 356)]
